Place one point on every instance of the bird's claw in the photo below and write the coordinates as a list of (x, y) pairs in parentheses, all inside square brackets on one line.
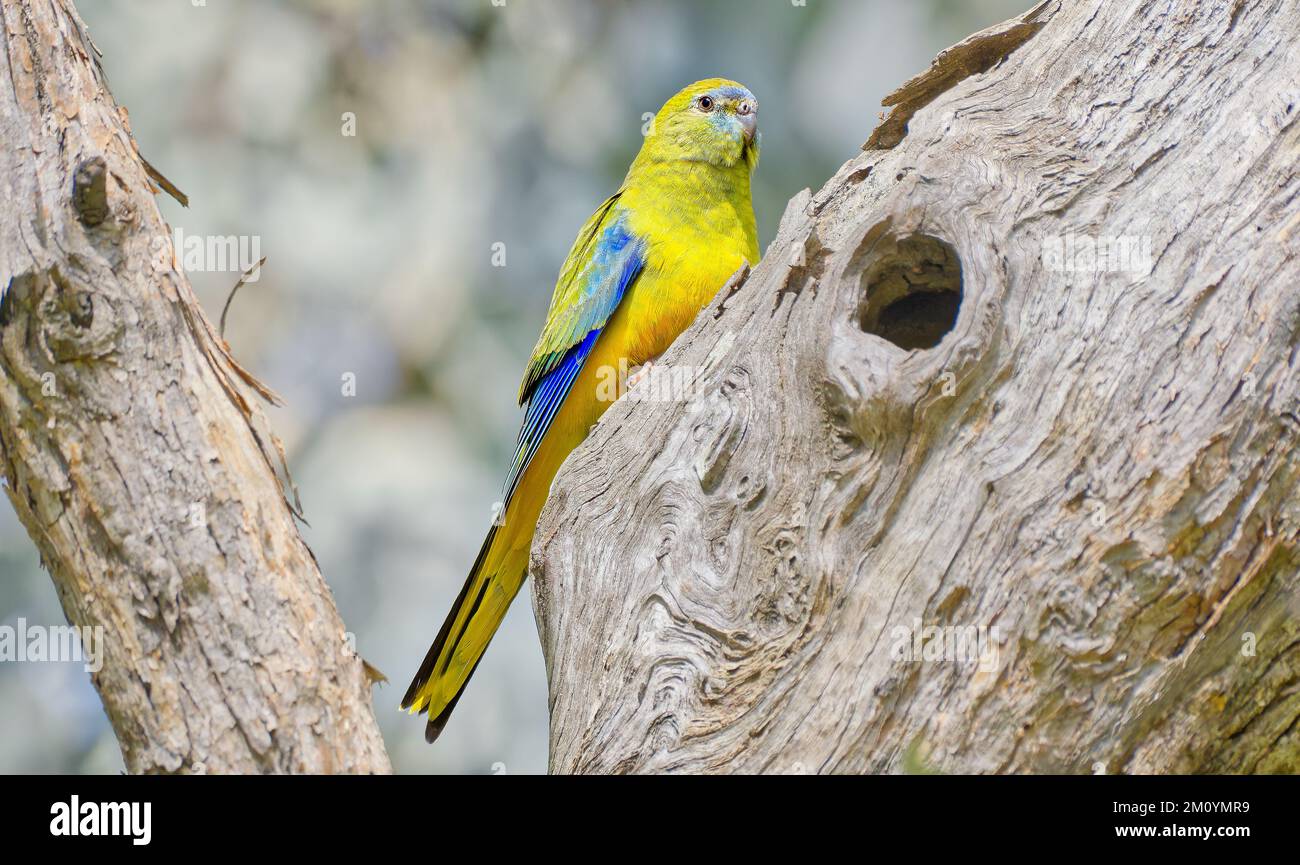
[(638, 373)]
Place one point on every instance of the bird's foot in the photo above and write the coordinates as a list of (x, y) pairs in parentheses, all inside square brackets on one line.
[(638, 373)]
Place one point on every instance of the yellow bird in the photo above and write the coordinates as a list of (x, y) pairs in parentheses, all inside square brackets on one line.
[(650, 258)]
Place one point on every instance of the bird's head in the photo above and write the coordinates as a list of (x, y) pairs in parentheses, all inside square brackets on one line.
[(713, 121)]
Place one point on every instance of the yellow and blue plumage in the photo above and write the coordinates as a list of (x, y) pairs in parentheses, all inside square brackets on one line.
[(646, 262)]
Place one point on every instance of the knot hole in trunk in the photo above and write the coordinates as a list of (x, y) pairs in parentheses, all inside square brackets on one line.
[(911, 291)]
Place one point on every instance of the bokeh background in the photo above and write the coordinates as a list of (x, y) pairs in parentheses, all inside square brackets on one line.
[(475, 124)]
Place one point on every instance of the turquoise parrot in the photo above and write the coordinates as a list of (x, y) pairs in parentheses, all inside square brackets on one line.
[(647, 261)]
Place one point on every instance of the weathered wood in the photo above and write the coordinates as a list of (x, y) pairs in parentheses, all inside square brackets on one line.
[(1099, 467), (135, 452)]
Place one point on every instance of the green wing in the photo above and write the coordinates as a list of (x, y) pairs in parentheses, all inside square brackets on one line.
[(604, 262), (587, 292)]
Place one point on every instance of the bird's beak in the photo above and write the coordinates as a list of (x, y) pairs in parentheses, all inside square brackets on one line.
[(749, 123)]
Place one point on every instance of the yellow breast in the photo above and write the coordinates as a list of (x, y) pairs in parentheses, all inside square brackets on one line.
[(689, 256)]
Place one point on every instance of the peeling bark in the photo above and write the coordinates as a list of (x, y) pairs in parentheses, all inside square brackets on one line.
[(1091, 477), (136, 454)]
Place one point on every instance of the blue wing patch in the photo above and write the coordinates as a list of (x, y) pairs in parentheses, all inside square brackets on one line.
[(611, 260), (615, 264)]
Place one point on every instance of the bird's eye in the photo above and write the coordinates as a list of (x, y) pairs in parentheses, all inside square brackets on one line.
[(745, 107), (705, 103)]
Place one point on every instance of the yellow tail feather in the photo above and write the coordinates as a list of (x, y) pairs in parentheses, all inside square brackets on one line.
[(493, 583)]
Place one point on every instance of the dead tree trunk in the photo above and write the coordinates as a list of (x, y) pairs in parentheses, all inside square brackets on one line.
[(133, 448), (1057, 535)]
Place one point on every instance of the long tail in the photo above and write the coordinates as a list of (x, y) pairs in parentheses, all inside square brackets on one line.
[(502, 563), (493, 582)]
